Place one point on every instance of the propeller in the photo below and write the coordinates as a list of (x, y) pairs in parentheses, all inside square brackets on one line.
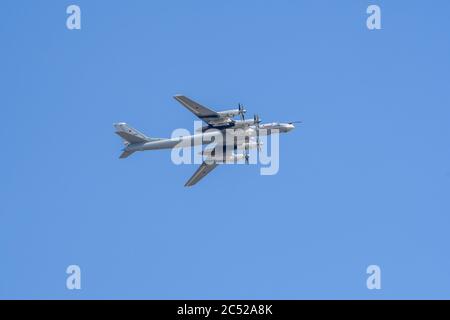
[(292, 122), (246, 150), (257, 121), (242, 111)]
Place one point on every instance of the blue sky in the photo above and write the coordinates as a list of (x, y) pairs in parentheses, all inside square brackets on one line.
[(364, 180)]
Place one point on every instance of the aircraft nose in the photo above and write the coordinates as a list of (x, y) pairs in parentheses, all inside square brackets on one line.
[(290, 127)]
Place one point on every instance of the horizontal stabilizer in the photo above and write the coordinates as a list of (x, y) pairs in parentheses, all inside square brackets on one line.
[(130, 134), (126, 154)]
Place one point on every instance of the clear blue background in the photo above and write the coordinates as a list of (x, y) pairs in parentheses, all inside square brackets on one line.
[(364, 180)]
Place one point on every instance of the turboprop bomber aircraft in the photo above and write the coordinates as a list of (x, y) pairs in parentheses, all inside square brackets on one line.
[(216, 124)]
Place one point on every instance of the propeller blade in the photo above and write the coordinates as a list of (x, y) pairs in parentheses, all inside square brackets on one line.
[(256, 119), (246, 155), (242, 111)]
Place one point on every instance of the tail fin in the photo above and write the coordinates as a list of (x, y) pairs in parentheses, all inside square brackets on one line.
[(129, 134)]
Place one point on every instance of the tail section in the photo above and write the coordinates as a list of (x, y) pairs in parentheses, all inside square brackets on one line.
[(130, 136)]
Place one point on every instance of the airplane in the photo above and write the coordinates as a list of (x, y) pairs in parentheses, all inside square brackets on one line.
[(216, 124)]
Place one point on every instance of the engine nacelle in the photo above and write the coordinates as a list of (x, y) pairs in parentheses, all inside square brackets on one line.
[(244, 123), (224, 158), (230, 113)]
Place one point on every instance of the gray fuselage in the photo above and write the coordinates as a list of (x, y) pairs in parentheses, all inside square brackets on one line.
[(226, 137)]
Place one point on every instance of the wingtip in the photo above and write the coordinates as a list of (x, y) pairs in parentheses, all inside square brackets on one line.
[(119, 125)]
